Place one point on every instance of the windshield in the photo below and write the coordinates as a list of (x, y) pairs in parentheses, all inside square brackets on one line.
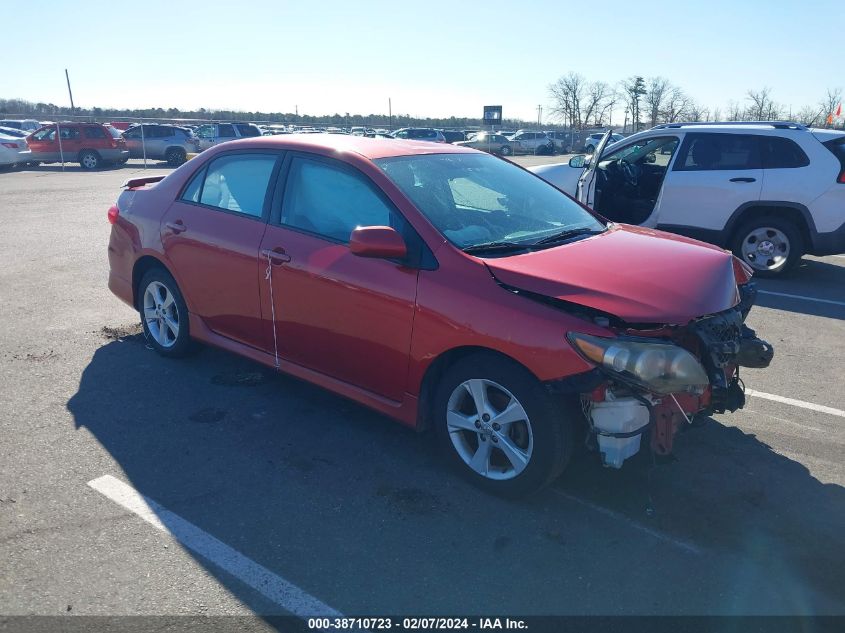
[(477, 199)]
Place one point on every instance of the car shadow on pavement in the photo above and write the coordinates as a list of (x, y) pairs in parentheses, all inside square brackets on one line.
[(359, 511)]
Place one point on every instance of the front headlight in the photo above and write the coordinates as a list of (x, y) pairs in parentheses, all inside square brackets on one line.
[(659, 367)]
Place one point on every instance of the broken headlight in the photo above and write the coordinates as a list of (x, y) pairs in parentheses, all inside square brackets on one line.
[(662, 368)]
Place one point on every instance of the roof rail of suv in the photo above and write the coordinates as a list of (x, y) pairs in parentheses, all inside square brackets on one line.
[(779, 125)]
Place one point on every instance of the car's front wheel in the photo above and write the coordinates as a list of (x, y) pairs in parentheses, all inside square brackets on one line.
[(771, 246), (164, 314), (506, 150), (499, 427)]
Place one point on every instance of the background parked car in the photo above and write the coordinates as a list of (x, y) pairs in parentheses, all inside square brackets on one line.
[(13, 150), (90, 144), (454, 136), (420, 134), (527, 142), (211, 134), (592, 141), (27, 125), (161, 142), (563, 141), (489, 142)]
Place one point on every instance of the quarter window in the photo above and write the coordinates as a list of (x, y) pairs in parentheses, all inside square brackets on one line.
[(331, 201), (782, 153), (702, 152), (235, 183)]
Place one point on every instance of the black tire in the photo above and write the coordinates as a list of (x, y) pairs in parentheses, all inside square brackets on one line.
[(506, 150), (182, 341), (175, 156), (89, 159), (745, 236), (551, 428)]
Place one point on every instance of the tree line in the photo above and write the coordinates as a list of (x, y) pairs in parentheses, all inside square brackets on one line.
[(579, 103), (20, 107)]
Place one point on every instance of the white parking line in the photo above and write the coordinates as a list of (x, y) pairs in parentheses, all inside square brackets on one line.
[(795, 403), (283, 593), (689, 547), (804, 298)]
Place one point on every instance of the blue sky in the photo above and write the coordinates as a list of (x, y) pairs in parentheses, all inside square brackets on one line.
[(431, 58)]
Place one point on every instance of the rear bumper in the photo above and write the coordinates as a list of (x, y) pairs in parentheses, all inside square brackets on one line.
[(831, 243)]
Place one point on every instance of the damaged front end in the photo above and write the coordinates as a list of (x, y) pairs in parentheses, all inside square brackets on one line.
[(656, 379)]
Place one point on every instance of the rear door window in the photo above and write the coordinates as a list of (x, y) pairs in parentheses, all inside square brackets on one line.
[(236, 182), (226, 130), (248, 130), (95, 132), (705, 152)]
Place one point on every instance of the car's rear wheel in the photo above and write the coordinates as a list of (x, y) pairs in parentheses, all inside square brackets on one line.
[(164, 314), (498, 426), (771, 246), (89, 159), (175, 156), (506, 150)]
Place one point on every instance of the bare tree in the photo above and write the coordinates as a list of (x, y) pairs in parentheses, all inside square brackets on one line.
[(762, 107), (697, 112), (735, 112), (810, 115), (595, 101), (567, 96), (675, 106), (832, 99), (657, 89)]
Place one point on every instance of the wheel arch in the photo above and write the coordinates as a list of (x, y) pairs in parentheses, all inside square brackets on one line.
[(792, 212), (439, 366), (142, 266)]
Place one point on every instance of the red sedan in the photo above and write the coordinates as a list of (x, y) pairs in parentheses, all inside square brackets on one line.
[(443, 287)]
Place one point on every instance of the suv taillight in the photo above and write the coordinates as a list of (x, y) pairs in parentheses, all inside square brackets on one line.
[(841, 178), (113, 213)]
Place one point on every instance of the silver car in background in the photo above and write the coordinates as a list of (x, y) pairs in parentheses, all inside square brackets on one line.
[(211, 134), (161, 142)]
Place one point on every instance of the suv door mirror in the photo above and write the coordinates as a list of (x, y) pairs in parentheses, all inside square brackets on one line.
[(382, 242), (578, 162)]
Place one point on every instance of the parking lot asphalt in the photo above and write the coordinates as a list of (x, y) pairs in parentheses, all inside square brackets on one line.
[(350, 508)]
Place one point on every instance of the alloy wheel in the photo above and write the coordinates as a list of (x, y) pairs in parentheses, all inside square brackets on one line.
[(160, 314), (489, 429)]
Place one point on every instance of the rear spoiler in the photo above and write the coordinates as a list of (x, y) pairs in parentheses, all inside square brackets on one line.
[(140, 182)]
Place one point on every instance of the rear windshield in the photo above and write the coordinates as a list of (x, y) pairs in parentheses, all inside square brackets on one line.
[(837, 146)]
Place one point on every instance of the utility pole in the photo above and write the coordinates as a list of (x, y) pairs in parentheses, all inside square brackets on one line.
[(390, 114), (539, 114), (72, 109)]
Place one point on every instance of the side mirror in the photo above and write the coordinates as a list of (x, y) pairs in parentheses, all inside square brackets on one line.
[(382, 242), (578, 161)]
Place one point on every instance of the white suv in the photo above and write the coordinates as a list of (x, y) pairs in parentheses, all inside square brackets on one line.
[(769, 191)]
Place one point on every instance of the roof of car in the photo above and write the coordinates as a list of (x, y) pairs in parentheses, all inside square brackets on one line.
[(370, 148)]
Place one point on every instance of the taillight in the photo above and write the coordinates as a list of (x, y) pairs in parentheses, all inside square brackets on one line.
[(841, 178), (11, 145), (113, 213)]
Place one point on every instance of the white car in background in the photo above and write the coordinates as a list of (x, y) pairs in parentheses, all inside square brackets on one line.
[(14, 149), (768, 191), (26, 125)]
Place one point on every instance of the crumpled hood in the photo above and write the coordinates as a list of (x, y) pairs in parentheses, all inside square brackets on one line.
[(639, 275)]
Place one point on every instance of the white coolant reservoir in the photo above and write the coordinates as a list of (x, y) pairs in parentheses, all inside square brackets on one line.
[(618, 415)]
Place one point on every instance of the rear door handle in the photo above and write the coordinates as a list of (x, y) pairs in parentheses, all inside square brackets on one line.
[(177, 226), (277, 255), (743, 179)]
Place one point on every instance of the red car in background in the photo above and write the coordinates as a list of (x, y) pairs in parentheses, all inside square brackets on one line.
[(92, 145), (443, 287)]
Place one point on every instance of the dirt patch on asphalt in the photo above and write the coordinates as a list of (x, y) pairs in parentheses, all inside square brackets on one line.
[(133, 333)]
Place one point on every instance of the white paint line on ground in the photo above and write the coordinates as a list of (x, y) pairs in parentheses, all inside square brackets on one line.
[(802, 297), (795, 403), (280, 591), (687, 547)]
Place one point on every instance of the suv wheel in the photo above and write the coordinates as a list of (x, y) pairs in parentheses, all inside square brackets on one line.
[(175, 156), (89, 159), (771, 246), (164, 314), (506, 150), (498, 426)]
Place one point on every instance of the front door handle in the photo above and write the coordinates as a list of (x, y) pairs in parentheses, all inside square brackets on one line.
[(743, 179), (276, 255), (177, 226)]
